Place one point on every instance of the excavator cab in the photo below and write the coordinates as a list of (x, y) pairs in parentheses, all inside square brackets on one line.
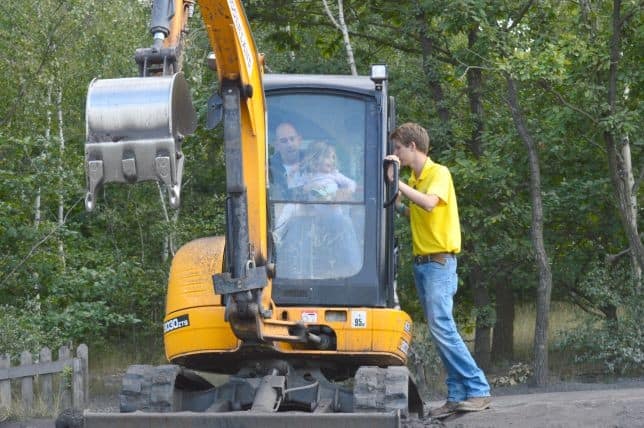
[(332, 243)]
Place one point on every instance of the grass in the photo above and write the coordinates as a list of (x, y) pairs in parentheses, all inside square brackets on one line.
[(563, 317), (39, 407), (107, 364)]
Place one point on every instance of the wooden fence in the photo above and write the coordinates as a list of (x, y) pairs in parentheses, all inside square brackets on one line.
[(43, 371)]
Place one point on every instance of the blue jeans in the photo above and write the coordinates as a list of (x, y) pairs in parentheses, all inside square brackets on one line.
[(436, 285)]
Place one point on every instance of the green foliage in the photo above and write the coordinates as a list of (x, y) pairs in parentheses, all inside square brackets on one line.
[(615, 347), (58, 279), (22, 329), (66, 377), (604, 286), (485, 316), (85, 321), (102, 276)]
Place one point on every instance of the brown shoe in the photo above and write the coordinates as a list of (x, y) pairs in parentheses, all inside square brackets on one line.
[(447, 409), (474, 404)]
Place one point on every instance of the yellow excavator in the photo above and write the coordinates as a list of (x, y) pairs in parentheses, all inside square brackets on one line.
[(297, 302)]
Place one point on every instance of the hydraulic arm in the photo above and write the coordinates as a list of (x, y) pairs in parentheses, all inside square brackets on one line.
[(135, 128)]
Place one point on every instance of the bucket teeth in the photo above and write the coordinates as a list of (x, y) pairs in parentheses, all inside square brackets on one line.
[(95, 176), (162, 165), (129, 169)]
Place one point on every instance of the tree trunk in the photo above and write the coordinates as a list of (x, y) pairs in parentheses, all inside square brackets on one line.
[(61, 173), (483, 325), (474, 90), (37, 209), (442, 135), (619, 159), (503, 337), (541, 257), (482, 351), (341, 25), (587, 17), (38, 202)]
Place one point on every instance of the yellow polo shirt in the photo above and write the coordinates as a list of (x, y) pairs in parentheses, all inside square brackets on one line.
[(438, 230)]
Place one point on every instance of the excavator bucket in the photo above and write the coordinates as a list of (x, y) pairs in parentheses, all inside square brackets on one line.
[(134, 129)]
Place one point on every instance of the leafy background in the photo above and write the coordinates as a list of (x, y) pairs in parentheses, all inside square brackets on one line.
[(69, 276)]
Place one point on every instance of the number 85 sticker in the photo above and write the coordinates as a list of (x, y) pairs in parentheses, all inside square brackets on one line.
[(359, 319)]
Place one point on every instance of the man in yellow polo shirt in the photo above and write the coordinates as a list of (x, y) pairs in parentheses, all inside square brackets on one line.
[(436, 237)]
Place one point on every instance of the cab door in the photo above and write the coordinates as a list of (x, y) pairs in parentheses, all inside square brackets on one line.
[(325, 197)]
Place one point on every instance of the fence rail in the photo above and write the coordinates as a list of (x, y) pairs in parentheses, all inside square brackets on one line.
[(43, 372)]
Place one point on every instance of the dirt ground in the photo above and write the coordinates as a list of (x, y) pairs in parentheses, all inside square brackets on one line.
[(566, 404), (591, 408)]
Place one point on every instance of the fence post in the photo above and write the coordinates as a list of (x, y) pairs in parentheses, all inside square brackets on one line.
[(27, 382), (82, 352), (65, 399), (5, 385), (46, 388)]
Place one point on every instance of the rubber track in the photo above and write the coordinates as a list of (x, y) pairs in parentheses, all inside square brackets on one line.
[(149, 389), (381, 390), (162, 391), (135, 390)]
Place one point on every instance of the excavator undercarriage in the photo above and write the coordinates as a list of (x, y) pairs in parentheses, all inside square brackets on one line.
[(267, 386), (267, 394)]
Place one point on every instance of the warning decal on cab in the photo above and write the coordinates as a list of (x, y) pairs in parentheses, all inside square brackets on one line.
[(309, 316)]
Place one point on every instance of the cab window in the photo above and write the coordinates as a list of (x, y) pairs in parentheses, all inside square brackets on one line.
[(316, 185)]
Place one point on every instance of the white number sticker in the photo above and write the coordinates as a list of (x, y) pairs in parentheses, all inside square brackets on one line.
[(359, 319)]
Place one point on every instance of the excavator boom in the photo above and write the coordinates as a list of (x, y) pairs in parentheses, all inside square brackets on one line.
[(135, 127)]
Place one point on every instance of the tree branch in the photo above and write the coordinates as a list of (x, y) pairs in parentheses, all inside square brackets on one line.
[(445, 56), (546, 85), (330, 15), (520, 15), (583, 302), (612, 258)]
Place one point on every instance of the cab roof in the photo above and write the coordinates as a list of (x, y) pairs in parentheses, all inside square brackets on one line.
[(362, 84)]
